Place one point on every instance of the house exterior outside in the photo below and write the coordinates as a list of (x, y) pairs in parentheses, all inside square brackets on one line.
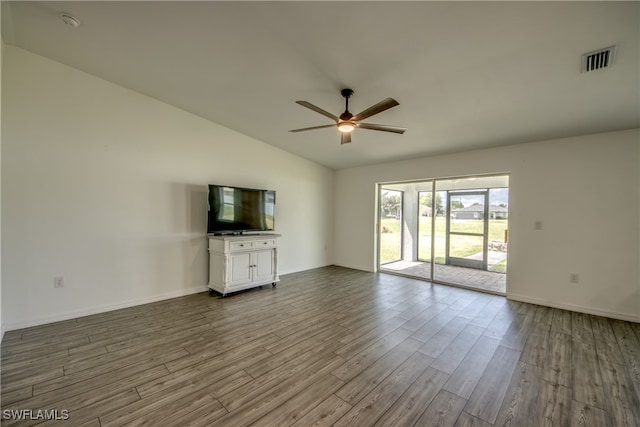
[(476, 211), (425, 210)]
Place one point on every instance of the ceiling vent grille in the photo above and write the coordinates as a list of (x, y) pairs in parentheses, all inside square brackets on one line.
[(601, 58)]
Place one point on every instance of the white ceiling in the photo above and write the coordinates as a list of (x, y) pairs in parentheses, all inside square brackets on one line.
[(466, 74)]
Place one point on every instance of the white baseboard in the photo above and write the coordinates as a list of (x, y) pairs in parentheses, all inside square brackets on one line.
[(572, 307), (356, 267), (104, 308)]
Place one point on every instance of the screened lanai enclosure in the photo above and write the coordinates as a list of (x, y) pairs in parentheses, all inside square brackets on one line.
[(450, 230)]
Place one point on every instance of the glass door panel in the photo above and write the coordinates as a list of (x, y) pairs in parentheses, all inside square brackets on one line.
[(425, 217), (498, 229), (467, 226), (440, 240), (390, 226)]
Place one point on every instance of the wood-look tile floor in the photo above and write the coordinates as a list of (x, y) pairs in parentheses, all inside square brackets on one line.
[(330, 346)]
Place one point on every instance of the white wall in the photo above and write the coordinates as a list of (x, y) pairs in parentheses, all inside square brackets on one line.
[(1, 313), (585, 190), (107, 188)]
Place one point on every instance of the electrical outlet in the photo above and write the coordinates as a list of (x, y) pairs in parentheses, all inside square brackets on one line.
[(574, 278), (58, 282)]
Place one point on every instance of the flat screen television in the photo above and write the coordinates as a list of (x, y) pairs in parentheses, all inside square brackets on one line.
[(234, 210)]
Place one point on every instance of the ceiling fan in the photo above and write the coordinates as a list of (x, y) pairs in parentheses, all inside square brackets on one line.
[(347, 122)]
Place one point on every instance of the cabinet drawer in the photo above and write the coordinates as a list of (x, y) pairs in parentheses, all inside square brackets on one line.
[(266, 243), (240, 246)]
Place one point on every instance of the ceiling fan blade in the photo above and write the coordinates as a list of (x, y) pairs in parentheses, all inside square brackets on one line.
[(312, 128), (345, 138), (385, 104), (318, 110), (384, 128)]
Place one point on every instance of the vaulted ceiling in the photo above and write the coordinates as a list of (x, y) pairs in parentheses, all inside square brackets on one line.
[(466, 74)]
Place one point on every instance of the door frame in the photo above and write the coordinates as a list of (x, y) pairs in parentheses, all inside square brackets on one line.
[(465, 262)]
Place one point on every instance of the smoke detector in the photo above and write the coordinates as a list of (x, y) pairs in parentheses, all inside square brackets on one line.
[(70, 20), (601, 58)]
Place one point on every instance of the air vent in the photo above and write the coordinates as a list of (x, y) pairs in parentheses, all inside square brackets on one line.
[(598, 59)]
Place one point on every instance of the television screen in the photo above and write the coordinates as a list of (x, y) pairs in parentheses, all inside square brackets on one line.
[(234, 209)]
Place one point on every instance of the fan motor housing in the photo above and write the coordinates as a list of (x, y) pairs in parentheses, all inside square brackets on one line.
[(346, 93)]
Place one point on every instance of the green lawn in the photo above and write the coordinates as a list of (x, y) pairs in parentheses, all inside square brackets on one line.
[(463, 247), (390, 240)]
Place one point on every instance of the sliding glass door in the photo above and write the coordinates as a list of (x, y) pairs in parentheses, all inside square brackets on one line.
[(449, 230)]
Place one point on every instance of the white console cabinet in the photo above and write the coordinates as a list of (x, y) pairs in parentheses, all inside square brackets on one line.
[(242, 262)]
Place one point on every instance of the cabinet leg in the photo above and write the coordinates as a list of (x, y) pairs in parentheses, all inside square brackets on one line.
[(213, 293), (274, 284)]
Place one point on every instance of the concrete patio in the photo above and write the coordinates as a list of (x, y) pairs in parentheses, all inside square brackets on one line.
[(488, 281)]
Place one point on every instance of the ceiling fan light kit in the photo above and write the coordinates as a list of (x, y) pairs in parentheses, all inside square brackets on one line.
[(346, 126), (347, 122)]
